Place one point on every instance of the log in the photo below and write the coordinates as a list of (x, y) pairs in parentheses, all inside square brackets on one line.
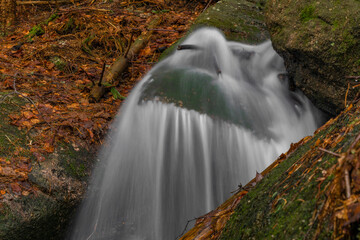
[(120, 65)]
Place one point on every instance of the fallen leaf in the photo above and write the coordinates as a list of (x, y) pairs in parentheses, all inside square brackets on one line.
[(15, 187), (25, 193)]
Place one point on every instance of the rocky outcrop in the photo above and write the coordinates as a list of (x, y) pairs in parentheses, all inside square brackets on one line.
[(320, 43)]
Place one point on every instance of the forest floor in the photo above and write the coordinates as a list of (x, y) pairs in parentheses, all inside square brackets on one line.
[(52, 57)]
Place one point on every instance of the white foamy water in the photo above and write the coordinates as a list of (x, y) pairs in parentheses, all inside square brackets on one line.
[(201, 122)]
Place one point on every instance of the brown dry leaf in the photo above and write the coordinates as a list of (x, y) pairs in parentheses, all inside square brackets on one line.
[(34, 121), (15, 187), (28, 115), (27, 124), (74, 105), (147, 50), (48, 148), (25, 193)]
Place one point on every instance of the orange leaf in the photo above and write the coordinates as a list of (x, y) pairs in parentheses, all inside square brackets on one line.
[(48, 148), (25, 193), (28, 114), (147, 50)]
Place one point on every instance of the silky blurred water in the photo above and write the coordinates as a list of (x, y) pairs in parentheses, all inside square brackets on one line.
[(201, 122)]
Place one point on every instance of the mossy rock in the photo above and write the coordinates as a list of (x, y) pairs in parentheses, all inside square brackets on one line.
[(320, 43), (35, 217), (239, 20), (9, 134), (287, 202), (59, 182)]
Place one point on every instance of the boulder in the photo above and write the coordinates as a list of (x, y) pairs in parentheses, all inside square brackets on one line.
[(38, 198), (320, 43)]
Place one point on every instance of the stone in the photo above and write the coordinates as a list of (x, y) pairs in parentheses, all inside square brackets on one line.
[(320, 43)]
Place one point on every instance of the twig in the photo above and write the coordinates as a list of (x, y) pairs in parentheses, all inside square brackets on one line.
[(346, 94), (347, 184), (355, 86), (84, 9), (329, 152), (355, 142), (207, 5), (102, 74), (189, 221), (188, 47), (352, 77), (157, 29), (10, 140), (129, 45)]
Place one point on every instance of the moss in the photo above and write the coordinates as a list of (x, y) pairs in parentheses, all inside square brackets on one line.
[(35, 31), (11, 137), (38, 30), (307, 13), (284, 215), (284, 203), (59, 63), (319, 40), (86, 44), (31, 218), (51, 18), (76, 162), (239, 20)]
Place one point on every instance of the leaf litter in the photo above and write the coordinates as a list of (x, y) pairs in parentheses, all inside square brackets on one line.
[(55, 69)]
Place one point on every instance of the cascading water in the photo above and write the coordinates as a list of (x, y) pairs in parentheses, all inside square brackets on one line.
[(201, 122)]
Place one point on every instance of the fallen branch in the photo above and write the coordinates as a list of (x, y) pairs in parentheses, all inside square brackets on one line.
[(111, 77)]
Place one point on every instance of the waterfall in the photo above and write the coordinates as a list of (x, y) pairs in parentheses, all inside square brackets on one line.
[(201, 122)]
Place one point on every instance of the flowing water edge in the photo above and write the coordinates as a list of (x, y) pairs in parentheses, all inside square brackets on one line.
[(201, 122)]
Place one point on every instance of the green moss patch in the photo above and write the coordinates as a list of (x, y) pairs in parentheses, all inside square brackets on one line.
[(240, 20), (286, 204), (307, 13), (38, 30)]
